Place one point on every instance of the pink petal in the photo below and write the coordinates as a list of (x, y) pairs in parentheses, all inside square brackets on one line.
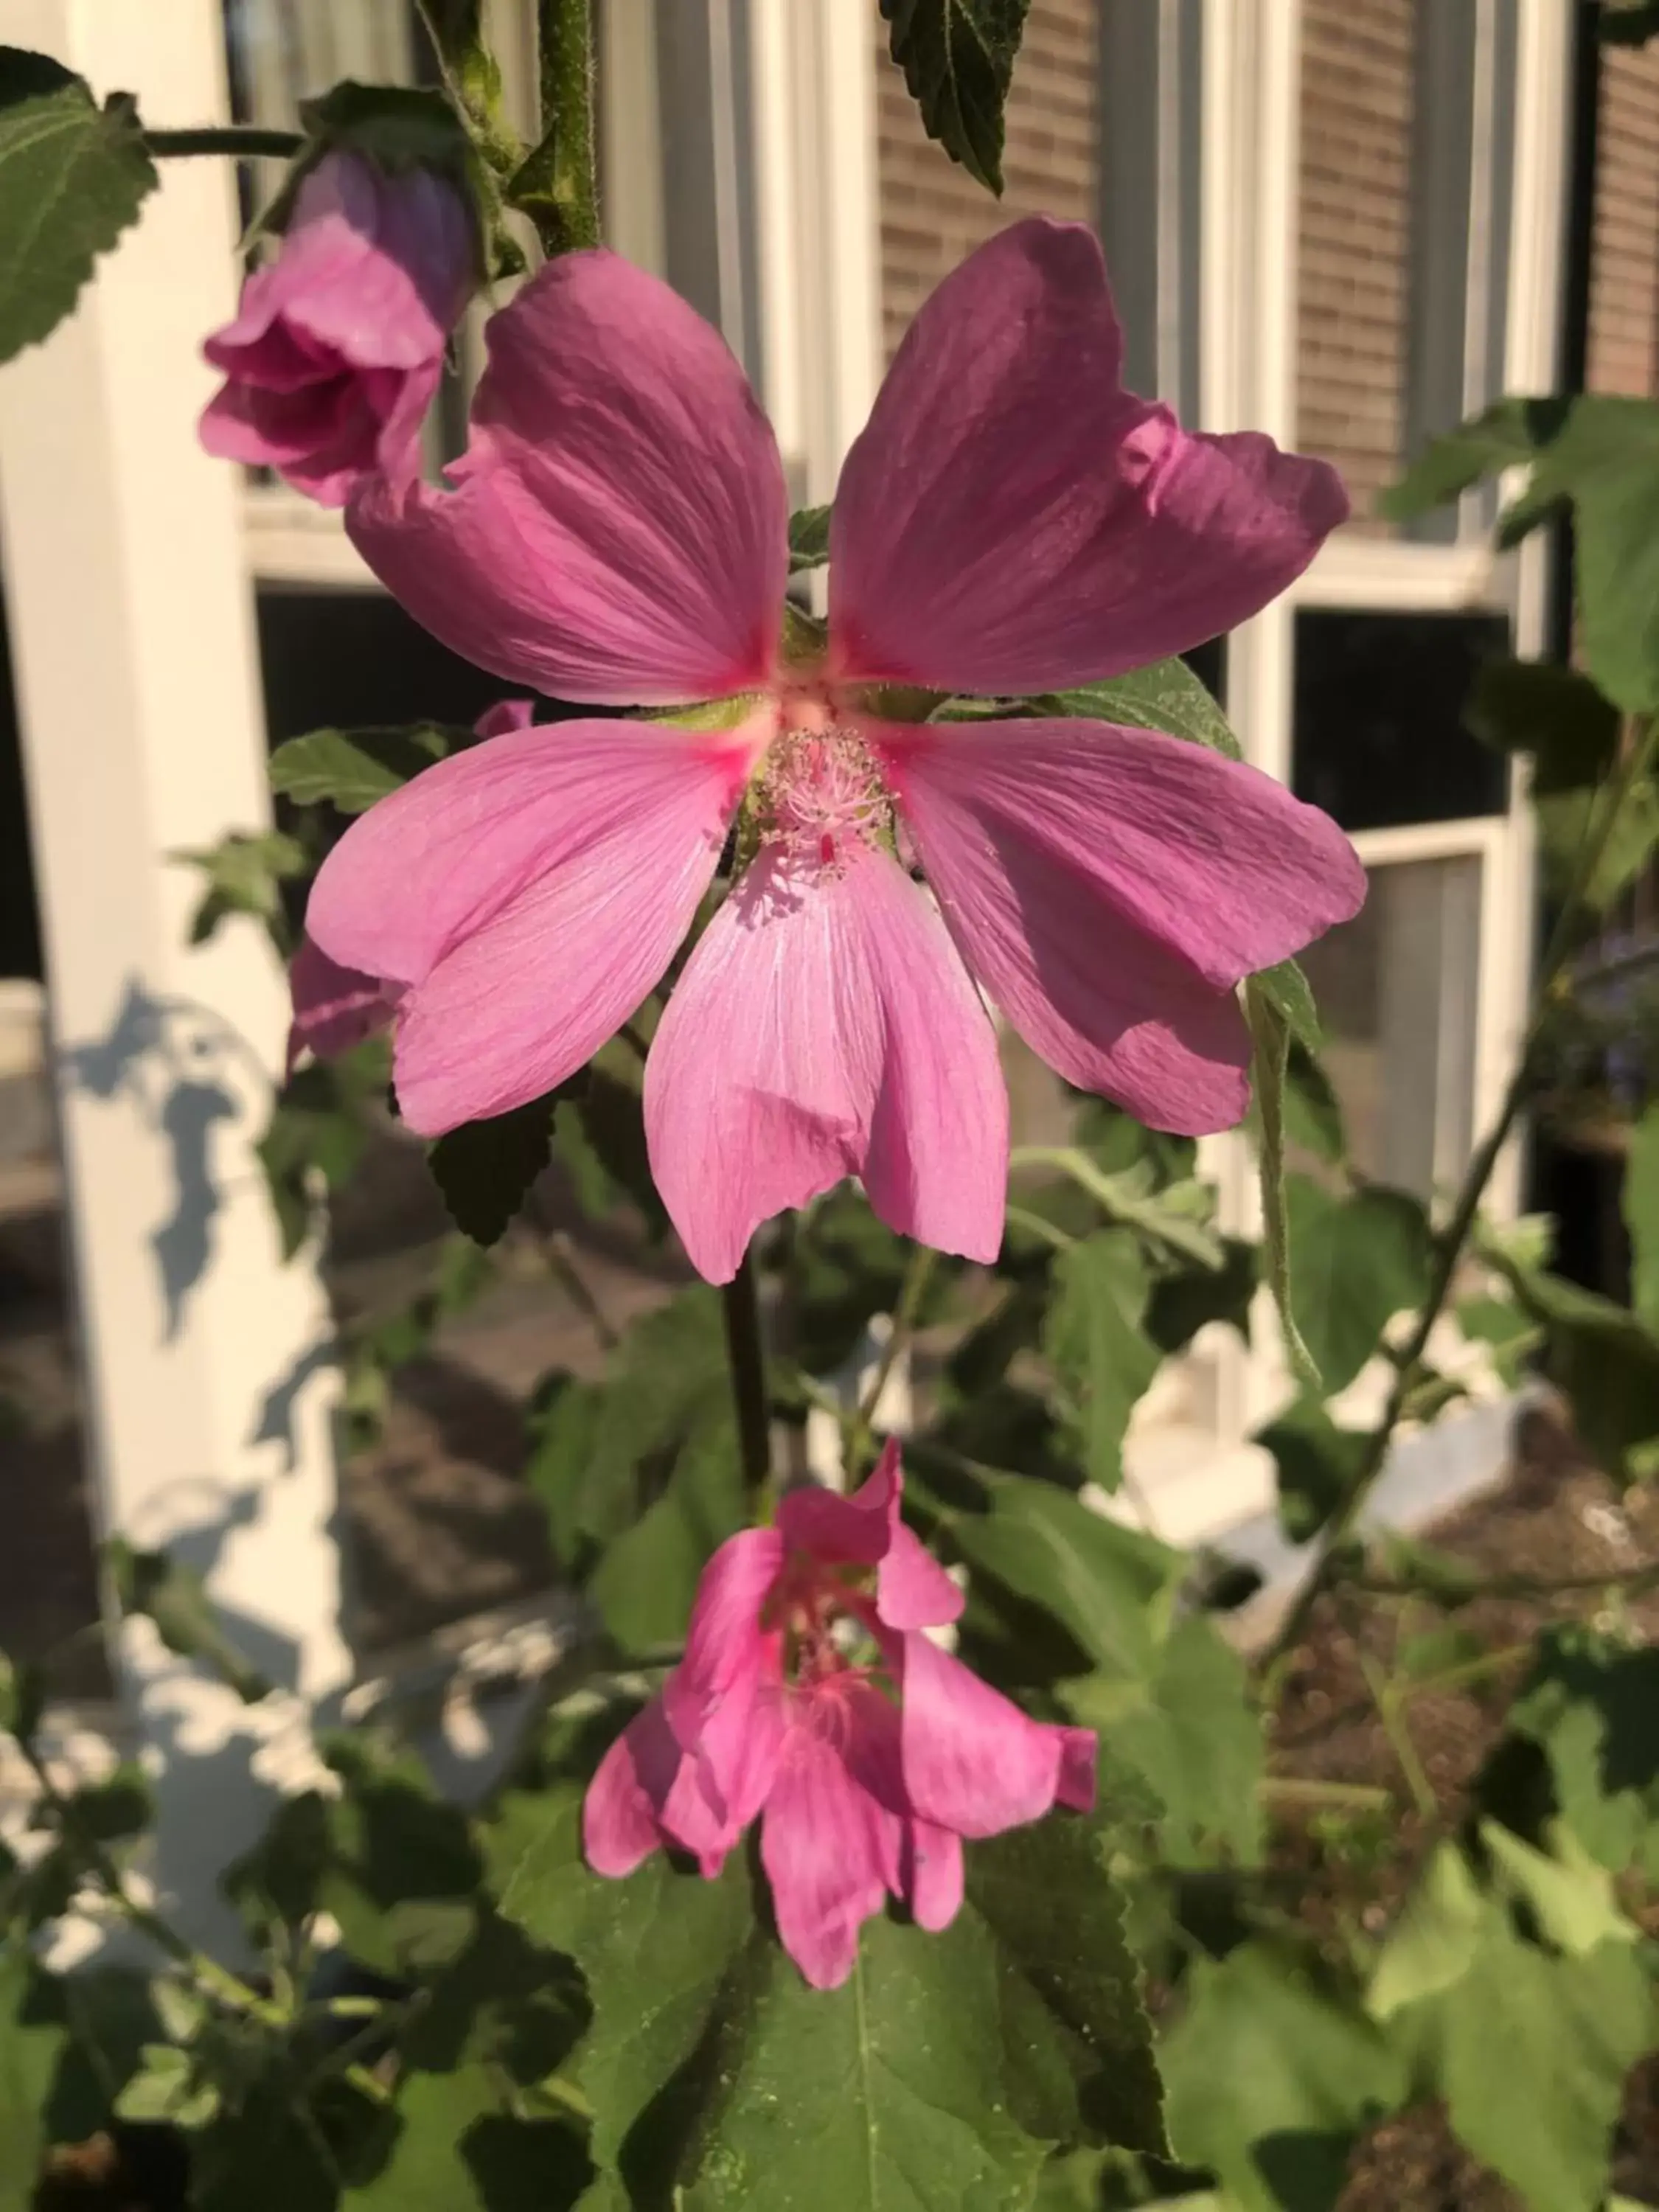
[(719, 1699), (334, 1007), (1110, 886), (617, 531), (973, 1761), (1012, 521), (912, 1589), (506, 714), (825, 1027), (831, 1851), (619, 1814), (935, 1883), (1079, 1754), (530, 891)]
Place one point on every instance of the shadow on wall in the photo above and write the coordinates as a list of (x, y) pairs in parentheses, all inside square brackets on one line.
[(184, 1071)]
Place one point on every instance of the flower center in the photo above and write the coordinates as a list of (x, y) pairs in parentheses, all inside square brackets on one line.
[(820, 795)]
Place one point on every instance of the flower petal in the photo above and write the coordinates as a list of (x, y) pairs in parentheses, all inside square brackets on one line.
[(1079, 1755), (506, 714), (334, 1007), (973, 1761), (825, 1027), (935, 1884), (912, 1589), (1012, 521), (618, 528), (636, 1776), (530, 891), (1110, 886), (832, 1850), (721, 1699)]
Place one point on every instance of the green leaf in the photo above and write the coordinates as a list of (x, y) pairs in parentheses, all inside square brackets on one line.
[(484, 1169), (73, 175), (32, 2041), (1584, 1745), (601, 1141), (1164, 694), (1096, 1344), (1181, 1304), (809, 539), (1571, 1894), (457, 2149), (244, 874), (1529, 2051), (1606, 1363), (1313, 1112), (665, 1385), (1432, 1943), (319, 1128), (174, 1597), (1317, 1465), (1270, 2077), (1194, 1733), (350, 769), (1511, 1334), (1271, 1031), (958, 56), (1605, 458), (1554, 713), (1110, 1587), (645, 1585), (935, 2078), (1287, 990), (1358, 1261), (1508, 433)]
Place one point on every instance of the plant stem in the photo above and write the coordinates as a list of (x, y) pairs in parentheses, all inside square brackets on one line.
[(746, 1353), (1449, 1245), (558, 186), (860, 1435), (233, 138), (1632, 1580), (1302, 1790), (1397, 1728)]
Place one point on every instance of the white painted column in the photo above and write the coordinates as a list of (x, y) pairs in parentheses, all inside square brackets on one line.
[(131, 625)]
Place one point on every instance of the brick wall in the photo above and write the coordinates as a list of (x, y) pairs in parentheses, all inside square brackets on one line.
[(933, 214), (1624, 330), (1355, 239)]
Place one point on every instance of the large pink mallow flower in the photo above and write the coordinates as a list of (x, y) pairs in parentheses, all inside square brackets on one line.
[(338, 343), (810, 1697), (1010, 523)]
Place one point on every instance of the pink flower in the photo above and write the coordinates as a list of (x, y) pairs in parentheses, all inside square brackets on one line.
[(1012, 522), (808, 1696), (339, 344), (334, 1007)]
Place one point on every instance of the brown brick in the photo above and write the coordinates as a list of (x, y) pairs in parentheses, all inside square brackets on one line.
[(1623, 323)]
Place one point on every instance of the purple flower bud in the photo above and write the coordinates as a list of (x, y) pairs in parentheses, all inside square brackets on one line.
[(336, 349)]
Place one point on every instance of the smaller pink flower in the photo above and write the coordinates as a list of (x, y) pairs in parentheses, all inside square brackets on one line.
[(337, 1007), (339, 344), (810, 1697)]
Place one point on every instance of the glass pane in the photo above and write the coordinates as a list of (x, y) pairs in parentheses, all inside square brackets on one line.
[(282, 51), (1396, 988), (1377, 737)]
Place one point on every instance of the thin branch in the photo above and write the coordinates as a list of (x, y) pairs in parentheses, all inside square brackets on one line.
[(746, 1352), (918, 1275), (556, 1250), (1449, 1245), (237, 139)]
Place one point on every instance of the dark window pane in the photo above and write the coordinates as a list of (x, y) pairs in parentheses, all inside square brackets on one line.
[(1378, 736), (343, 659), (1208, 662)]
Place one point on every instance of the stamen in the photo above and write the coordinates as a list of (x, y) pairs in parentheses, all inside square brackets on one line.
[(821, 795)]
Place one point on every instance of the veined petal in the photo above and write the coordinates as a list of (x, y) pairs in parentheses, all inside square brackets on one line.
[(530, 891), (1012, 520), (825, 1027), (620, 1827), (1110, 886), (831, 1849), (973, 1762), (334, 1007), (617, 531), (934, 1883)]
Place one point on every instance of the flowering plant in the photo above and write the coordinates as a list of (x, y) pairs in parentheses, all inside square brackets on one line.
[(883, 1792)]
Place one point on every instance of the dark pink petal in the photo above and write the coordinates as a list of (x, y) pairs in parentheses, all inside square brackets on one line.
[(825, 1027), (506, 714), (1012, 521), (334, 1007), (973, 1761), (619, 1814), (530, 890), (721, 1699), (1110, 886), (1079, 1754), (935, 1885), (912, 1589), (831, 1850), (617, 531)]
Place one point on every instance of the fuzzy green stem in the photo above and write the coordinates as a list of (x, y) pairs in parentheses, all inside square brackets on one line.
[(1637, 759), (746, 1354), (558, 186), (918, 1275), (235, 139)]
